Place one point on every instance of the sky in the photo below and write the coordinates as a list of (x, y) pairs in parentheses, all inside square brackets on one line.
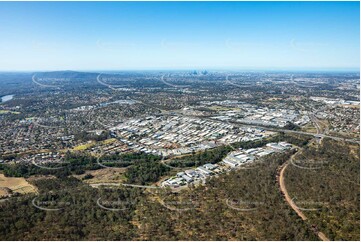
[(179, 35)]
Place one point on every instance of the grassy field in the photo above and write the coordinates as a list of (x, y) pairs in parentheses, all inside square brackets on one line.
[(15, 184), (93, 143), (309, 128), (84, 146), (109, 141), (108, 175)]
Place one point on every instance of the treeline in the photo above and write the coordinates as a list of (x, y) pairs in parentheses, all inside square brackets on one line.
[(146, 172), (295, 139), (124, 160), (86, 136), (73, 164), (76, 164), (292, 126), (209, 156), (217, 154)]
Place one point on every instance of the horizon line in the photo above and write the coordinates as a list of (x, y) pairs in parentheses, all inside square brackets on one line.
[(341, 69)]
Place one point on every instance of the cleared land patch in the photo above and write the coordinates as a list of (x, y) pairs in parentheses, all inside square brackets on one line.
[(11, 185), (107, 175)]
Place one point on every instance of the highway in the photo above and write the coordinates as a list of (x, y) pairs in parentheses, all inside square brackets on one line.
[(312, 134), (239, 124), (295, 132)]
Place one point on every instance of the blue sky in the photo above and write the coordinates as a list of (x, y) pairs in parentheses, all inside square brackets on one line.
[(179, 35)]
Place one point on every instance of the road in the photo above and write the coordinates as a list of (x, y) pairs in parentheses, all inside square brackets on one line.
[(289, 200), (303, 133), (316, 124), (96, 185)]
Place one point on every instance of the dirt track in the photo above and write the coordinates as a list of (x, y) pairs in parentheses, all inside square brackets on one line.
[(289, 200)]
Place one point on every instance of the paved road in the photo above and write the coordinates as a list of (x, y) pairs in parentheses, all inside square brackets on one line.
[(316, 124), (40, 84)]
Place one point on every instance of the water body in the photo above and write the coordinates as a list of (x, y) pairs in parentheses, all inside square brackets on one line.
[(7, 98)]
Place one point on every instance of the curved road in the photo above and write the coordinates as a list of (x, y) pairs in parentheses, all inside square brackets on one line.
[(289, 200)]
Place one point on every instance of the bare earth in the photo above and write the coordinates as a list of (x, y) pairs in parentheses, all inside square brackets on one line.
[(15, 184), (106, 175)]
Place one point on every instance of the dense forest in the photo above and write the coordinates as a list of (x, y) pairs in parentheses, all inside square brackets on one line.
[(75, 214), (143, 214), (245, 204), (145, 172), (324, 182), (77, 163)]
